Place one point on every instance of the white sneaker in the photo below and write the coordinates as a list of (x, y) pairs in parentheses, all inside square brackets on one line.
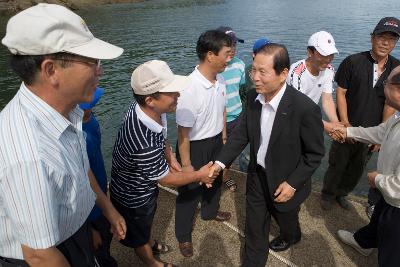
[(348, 238)]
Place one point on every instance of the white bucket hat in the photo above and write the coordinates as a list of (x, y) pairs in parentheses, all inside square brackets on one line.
[(323, 42), (47, 29), (156, 76)]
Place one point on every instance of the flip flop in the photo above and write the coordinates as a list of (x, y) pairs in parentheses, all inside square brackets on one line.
[(159, 248), (231, 184)]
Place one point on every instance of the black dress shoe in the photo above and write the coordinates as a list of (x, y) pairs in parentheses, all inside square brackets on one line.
[(279, 244)]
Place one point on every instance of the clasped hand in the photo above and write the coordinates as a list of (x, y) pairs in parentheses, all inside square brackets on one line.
[(339, 133), (205, 178)]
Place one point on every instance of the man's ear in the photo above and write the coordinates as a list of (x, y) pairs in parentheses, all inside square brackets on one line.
[(149, 101), (49, 71), (210, 56), (283, 75), (309, 53)]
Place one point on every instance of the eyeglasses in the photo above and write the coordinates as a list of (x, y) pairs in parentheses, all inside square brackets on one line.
[(385, 82), (386, 38), (263, 73), (91, 62)]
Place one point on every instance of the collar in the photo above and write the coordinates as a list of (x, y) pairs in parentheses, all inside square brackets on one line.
[(51, 119), (374, 60), (149, 122), (274, 103), (203, 80), (397, 115)]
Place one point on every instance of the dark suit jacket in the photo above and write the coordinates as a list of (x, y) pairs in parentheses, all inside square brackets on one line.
[(296, 145)]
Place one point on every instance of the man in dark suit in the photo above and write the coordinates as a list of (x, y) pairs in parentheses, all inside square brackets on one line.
[(285, 132)]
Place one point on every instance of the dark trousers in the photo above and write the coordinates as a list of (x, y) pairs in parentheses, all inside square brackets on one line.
[(374, 195), (383, 232), (259, 209), (346, 165), (103, 256), (77, 250), (201, 152)]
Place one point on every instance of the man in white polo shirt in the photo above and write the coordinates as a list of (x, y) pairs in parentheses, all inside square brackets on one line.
[(200, 119), (313, 76), (47, 189)]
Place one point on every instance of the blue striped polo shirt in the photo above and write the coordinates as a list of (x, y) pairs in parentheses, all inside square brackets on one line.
[(234, 76)]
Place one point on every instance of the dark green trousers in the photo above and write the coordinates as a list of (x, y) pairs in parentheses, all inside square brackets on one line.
[(346, 165)]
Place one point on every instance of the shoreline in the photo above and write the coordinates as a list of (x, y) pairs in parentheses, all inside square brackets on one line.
[(15, 6)]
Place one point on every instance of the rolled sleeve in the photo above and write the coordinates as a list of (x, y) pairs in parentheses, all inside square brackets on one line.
[(29, 203), (328, 84)]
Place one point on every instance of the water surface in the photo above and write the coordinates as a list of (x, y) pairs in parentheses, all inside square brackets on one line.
[(168, 30)]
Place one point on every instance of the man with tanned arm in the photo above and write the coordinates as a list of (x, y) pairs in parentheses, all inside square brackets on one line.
[(361, 102), (383, 231)]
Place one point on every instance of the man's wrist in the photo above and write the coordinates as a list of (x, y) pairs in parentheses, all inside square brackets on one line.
[(220, 164)]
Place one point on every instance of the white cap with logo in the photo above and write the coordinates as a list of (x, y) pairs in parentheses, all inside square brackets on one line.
[(156, 76), (323, 43), (47, 29)]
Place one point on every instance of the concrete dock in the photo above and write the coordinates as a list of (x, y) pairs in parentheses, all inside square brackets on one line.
[(220, 244)]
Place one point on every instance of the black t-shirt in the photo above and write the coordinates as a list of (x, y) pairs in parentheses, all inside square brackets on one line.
[(364, 102)]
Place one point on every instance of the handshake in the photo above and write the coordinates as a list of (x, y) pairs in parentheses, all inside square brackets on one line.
[(208, 173), (338, 132)]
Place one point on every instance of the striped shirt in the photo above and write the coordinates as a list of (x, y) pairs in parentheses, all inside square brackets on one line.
[(138, 159), (45, 195), (234, 76)]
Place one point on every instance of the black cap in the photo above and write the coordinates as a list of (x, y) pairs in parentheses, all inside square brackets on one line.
[(388, 24), (231, 33)]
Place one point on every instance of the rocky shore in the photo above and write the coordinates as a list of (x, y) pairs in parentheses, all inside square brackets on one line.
[(13, 6)]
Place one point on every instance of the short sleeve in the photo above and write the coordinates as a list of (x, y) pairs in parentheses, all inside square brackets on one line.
[(343, 74), (328, 81), (186, 111), (152, 162), (28, 199)]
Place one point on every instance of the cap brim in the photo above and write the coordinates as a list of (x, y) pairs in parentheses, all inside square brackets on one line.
[(179, 84), (327, 52), (387, 30), (96, 48)]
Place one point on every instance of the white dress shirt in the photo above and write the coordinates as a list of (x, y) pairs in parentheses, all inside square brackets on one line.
[(268, 112), (45, 194)]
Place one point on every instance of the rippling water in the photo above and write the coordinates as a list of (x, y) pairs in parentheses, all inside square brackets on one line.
[(168, 30)]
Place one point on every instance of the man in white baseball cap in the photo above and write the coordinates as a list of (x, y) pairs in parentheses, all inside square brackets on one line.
[(142, 157), (324, 43), (47, 188), (313, 76)]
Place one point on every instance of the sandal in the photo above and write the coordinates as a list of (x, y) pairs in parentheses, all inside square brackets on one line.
[(231, 184), (159, 248)]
